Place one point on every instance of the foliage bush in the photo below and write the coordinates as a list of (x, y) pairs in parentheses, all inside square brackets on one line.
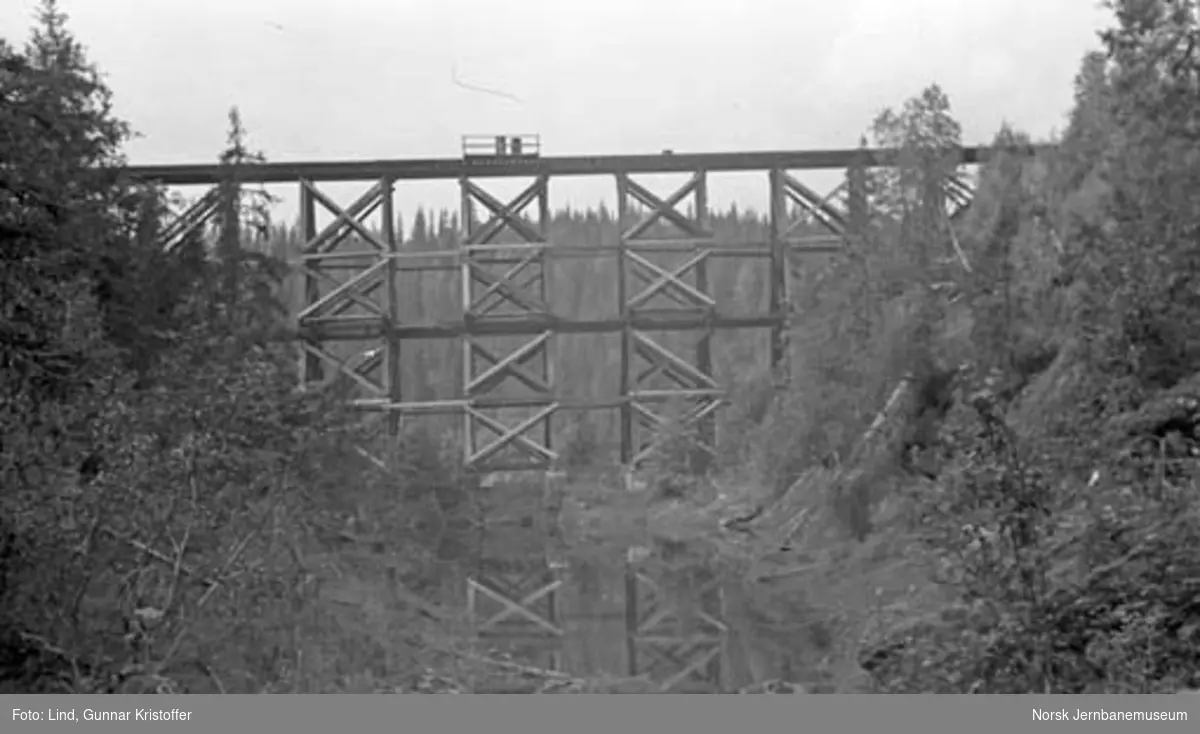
[(1054, 512), (1062, 535), (166, 491)]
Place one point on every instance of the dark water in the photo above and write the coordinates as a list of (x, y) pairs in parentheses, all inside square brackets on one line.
[(614, 605)]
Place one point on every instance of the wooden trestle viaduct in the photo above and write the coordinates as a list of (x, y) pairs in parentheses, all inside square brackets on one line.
[(505, 291)]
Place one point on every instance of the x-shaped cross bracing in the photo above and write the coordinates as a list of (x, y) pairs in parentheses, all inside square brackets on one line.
[(356, 290), (669, 283), (666, 611), (503, 215), (677, 658), (512, 365), (514, 607), (816, 208), (664, 361), (664, 209), (505, 288), (346, 221), (688, 655), (367, 361), (655, 423), (513, 436)]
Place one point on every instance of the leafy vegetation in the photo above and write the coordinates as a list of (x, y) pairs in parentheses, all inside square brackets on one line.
[(161, 479), (998, 415), (1071, 474)]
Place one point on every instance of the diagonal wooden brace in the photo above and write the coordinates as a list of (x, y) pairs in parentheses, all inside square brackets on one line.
[(505, 215), (705, 405), (655, 422), (514, 436), (655, 368), (518, 608), (665, 368), (673, 657), (350, 290), (672, 279), (837, 197), (814, 205), (512, 586), (362, 297), (664, 612), (648, 418), (510, 366), (194, 217), (664, 208), (673, 365), (499, 298), (959, 195), (655, 620), (343, 367), (693, 668), (506, 288), (345, 220)]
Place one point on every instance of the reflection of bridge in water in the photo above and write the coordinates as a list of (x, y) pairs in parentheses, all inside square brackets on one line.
[(529, 588), (585, 609)]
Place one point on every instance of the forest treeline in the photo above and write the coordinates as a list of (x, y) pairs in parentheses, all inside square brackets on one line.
[(170, 504)]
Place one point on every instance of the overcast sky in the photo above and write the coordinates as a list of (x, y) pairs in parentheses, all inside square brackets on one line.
[(377, 78)]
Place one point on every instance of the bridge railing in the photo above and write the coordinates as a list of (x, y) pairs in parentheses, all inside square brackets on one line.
[(501, 146)]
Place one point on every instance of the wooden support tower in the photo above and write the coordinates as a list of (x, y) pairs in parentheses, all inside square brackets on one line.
[(652, 293), (507, 287)]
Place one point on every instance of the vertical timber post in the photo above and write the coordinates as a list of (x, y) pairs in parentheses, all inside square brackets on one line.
[(388, 215), (230, 235), (856, 196), (632, 621), (857, 222), (550, 350), (708, 426), (468, 211), (627, 448), (311, 369), (779, 305), (464, 340)]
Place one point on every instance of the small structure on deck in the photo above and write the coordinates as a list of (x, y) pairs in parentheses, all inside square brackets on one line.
[(501, 146)]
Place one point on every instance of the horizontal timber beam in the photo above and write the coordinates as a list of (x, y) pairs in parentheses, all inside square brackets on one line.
[(187, 174), (362, 328), (447, 260), (561, 403)]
